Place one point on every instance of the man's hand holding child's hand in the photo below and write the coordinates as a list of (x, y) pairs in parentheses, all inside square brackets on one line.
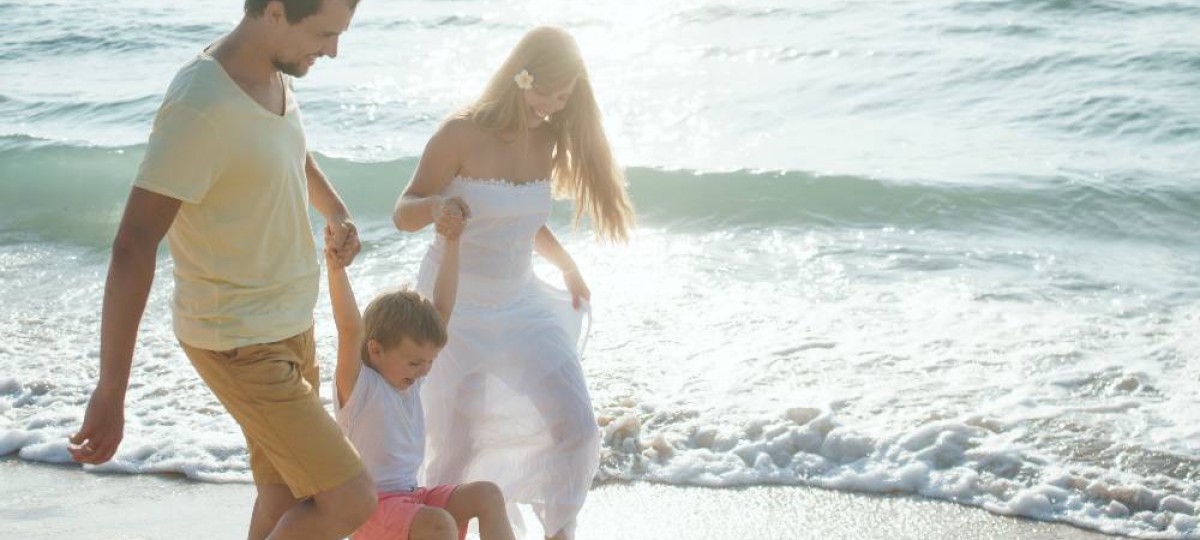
[(333, 259)]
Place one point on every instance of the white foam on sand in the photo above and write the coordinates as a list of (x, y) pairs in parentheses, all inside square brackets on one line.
[(967, 461), (62, 502), (981, 404)]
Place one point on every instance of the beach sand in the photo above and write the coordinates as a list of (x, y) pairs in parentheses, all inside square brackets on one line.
[(51, 501)]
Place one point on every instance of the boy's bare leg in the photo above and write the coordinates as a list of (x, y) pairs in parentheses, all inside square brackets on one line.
[(273, 501), (329, 515), (485, 501), (433, 523)]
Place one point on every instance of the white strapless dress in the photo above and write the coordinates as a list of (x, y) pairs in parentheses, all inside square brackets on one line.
[(506, 400)]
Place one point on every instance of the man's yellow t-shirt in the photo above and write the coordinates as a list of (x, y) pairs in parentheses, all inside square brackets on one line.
[(245, 261)]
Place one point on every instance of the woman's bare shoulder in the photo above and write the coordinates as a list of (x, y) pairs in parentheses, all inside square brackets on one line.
[(460, 130)]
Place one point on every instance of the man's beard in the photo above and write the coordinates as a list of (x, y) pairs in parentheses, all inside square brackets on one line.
[(290, 68)]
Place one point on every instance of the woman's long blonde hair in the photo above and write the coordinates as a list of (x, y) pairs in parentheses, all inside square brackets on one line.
[(584, 168)]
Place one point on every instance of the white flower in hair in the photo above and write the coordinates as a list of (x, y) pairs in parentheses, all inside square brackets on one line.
[(524, 80)]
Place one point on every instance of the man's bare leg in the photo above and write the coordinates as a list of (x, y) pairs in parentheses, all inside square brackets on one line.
[(329, 515), (273, 501)]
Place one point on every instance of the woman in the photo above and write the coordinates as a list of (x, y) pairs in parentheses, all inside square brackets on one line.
[(506, 400)]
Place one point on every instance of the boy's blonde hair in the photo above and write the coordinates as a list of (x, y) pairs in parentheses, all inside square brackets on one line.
[(399, 314), (584, 168)]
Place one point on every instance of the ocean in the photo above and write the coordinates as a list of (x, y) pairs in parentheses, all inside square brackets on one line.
[(942, 248)]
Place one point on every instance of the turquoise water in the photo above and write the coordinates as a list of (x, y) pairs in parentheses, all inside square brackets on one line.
[(945, 248)]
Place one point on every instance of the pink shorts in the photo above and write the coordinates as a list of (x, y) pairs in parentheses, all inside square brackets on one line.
[(397, 510)]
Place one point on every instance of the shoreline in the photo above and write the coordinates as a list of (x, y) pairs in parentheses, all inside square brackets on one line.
[(56, 501)]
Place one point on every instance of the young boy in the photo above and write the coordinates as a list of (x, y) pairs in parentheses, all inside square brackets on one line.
[(382, 357)]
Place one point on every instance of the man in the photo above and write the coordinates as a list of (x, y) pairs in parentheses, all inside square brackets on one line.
[(227, 178)]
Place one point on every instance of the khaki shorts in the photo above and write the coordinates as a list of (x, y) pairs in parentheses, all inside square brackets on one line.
[(271, 390)]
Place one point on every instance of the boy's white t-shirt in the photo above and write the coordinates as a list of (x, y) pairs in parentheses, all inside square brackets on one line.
[(387, 426)]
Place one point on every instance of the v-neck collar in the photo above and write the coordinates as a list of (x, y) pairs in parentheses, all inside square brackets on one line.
[(288, 102)]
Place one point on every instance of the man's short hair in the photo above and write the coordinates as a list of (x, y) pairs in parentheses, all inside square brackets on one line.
[(294, 10)]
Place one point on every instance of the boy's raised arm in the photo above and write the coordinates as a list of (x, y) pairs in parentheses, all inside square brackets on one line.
[(445, 286), (449, 224), (348, 321)]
